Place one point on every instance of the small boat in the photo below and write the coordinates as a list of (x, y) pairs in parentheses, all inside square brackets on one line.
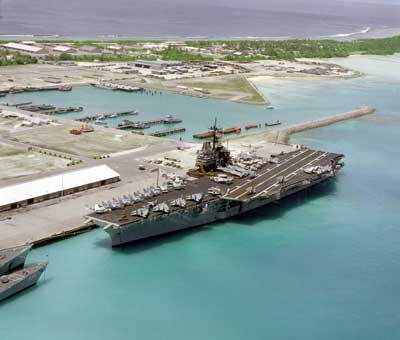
[(171, 120), (13, 258), (65, 88), (273, 124), (19, 280)]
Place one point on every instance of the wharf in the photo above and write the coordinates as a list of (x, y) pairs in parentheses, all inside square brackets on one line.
[(108, 115), (167, 132)]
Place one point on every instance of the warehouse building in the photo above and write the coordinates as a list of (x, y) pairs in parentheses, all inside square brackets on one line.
[(24, 48), (27, 193)]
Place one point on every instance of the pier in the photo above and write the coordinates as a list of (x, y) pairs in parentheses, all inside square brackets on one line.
[(108, 115), (167, 132)]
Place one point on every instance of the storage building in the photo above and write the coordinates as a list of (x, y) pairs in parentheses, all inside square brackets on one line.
[(23, 194)]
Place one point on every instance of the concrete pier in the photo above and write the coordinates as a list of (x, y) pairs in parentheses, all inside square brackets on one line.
[(284, 134)]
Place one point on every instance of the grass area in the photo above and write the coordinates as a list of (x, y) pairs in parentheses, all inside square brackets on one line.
[(101, 142), (6, 151), (175, 54), (229, 86), (24, 163)]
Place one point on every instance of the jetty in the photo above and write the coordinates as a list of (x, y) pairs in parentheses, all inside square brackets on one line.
[(103, 116), (285, 133), (167, 132)]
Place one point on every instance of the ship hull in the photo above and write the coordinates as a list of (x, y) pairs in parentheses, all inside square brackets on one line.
[(27, 282), (201, 214), (16, 262)]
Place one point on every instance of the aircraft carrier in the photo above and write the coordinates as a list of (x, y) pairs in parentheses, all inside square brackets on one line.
[(222, 188)]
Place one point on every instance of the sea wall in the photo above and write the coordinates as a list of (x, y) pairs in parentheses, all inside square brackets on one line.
[(284, 134)]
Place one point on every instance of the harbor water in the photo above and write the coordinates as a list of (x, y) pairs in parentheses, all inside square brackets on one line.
[(323, 264)]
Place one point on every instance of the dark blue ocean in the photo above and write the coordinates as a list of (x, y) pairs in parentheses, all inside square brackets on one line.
[(323, 264), (195, 19)]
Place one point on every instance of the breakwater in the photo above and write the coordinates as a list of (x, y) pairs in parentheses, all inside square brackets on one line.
[(283, 135)]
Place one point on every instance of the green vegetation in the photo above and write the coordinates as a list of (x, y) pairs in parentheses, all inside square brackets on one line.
[(291, 49), (179, 55), (8, 58)]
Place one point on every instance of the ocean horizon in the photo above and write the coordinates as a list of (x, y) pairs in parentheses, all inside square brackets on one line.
[(219, 19)]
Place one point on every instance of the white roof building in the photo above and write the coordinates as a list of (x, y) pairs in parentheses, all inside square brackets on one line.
[(62, 49), (23, 48), (54, 184)]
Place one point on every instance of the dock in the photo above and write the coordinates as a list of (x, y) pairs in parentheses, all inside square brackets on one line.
[(108, 115), (167, 132)]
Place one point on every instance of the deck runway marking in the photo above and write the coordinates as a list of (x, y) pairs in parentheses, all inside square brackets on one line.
[(271, 169), (283, 170), (276, 184)]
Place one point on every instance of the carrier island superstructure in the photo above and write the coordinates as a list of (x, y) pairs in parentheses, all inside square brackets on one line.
[(221, 188)]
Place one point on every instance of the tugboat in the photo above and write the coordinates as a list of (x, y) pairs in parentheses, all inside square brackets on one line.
[(19, 280)]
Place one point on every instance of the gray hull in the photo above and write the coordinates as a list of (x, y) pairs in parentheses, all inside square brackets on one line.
[(14, 261), (201, 214), (20, 281)]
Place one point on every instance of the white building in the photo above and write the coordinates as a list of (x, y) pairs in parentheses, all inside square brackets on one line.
[(23, 47), (62, 49), (23, 194)]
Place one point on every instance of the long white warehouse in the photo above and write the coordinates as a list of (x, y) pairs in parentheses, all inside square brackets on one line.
[(23, 194)]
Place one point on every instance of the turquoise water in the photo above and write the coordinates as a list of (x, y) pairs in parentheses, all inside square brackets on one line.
[(324, 264), (197, 114)]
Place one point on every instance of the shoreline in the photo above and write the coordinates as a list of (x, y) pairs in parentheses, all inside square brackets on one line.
[(364, 32)]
